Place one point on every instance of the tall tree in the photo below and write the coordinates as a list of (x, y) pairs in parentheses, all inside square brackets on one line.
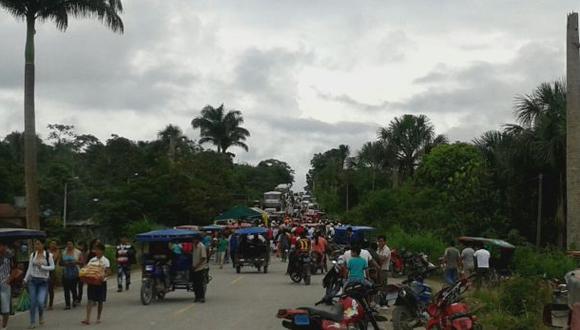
[(375, 155), (412, 137), (221, 129), (171, 136), (57, 11)]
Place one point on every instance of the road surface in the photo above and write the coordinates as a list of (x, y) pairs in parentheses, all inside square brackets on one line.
[(243, 301)]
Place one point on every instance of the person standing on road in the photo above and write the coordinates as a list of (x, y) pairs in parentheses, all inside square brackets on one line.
[(97, 294), (451, 258), (482, 257), (467, 261), (222, 247), (6, 264), (200, 269), (71, 259), (384, 261), (125, 254), (40, 265), (82, 247), (319, 245), (53, 248)]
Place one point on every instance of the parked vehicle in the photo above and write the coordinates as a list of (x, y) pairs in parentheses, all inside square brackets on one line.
[(407, 263), (274, 200), (301, 268), (413, 298), (164, 271), (447, 312), (248, 249), (351, 311), (334, 280)]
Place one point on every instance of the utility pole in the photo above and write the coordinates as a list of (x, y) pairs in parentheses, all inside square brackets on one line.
[(572, 133), (539, 221), (65, 206)]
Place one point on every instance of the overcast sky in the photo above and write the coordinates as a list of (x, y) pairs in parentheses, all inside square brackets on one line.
[(307, 74)]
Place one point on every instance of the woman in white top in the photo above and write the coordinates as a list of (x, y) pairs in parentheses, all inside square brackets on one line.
[(97, 294), (40, 264)]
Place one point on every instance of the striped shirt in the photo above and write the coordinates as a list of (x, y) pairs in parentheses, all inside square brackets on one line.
[(5, 268)]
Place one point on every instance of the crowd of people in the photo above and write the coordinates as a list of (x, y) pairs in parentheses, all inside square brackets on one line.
[(34, 272)]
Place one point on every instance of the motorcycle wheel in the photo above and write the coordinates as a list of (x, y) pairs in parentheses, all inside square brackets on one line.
[(403, 319), (146, 293), (295, 277)]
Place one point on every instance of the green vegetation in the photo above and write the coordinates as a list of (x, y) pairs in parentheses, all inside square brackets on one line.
[(412, 178), (516, 305), (128, 186)]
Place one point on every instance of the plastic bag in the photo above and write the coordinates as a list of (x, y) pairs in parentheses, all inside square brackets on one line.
[(23, 302)]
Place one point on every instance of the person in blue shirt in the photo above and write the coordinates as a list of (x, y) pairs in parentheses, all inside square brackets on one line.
[(357, 267)]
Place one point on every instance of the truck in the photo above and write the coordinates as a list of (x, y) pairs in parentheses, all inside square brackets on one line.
[(273, 200)]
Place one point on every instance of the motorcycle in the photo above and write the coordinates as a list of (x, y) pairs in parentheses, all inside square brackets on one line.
[(408, 263), (334, 280), (301, 268), (412, 299), (446, 312), (351, 311)]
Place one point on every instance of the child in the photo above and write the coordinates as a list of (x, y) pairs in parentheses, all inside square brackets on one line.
[(97, 294), (357, 267)]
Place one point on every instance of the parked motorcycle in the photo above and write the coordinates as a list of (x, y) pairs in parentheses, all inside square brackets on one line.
[(446, 312), (351, 311), (301, 268), (408, 263), (411, 304), (334, 280)]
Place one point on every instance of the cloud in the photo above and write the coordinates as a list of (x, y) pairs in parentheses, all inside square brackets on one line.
[(308, 75)]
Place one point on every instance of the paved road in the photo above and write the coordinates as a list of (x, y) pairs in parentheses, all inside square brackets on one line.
[(248, 300)]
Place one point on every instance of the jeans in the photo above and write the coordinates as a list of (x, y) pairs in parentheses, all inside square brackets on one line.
[(198, 279), (70, 288), (451, 275), (123, 270), (37, 289), (80, 286)]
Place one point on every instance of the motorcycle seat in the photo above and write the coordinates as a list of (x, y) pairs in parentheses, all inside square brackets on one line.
[(334, 313)]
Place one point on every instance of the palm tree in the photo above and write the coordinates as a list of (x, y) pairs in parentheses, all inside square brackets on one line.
[(57, 11), (221, 129), (374, 155), (411, 137), (171, 136), (542, 136)]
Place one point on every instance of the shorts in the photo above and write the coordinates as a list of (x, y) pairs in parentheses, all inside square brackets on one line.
[(97, 293), (5, 299)]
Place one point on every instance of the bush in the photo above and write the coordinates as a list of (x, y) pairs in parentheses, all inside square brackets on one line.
[(426, 242), (522, 296), (516, 305), (141, 226), (529, 261)]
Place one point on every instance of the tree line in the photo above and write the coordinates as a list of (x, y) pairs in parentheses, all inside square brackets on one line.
[(171, 180), (413, 178)]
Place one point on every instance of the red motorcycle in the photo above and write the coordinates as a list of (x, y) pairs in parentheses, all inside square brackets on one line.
[(352, 311), (446, 312)]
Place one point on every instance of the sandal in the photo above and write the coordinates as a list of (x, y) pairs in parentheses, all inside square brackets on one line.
[(85, 322)]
